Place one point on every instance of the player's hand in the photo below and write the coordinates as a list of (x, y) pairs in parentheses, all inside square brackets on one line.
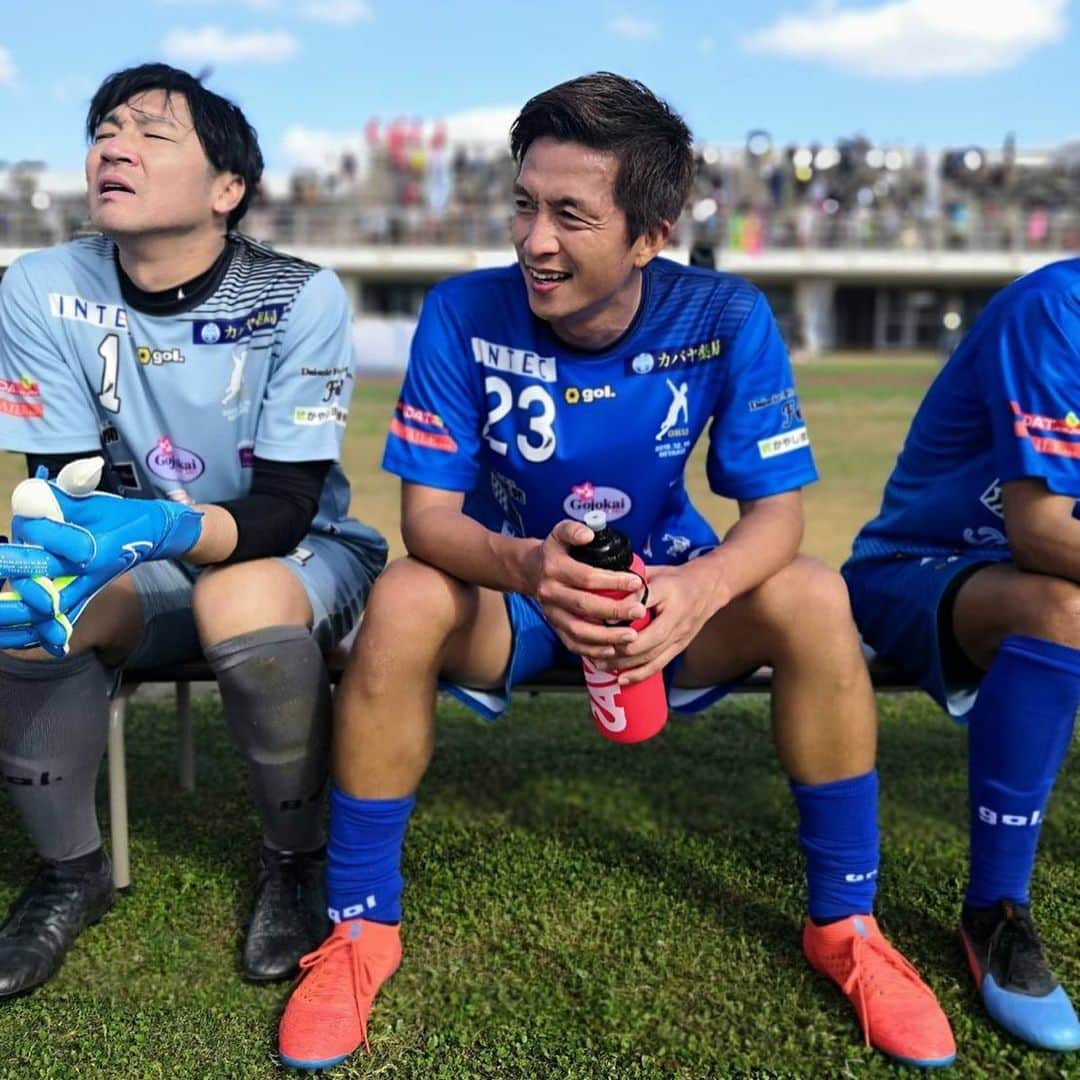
[(91, 538), (681, 602), (566, 588)]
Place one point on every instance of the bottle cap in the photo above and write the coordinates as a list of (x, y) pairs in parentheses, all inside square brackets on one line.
[(596, 520)]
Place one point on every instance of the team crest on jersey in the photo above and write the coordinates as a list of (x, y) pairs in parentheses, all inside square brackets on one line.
[(172, 462), (673, 435), (587, 496)]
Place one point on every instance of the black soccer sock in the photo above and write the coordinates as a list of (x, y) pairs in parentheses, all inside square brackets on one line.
[(278, 706), (54, 724)]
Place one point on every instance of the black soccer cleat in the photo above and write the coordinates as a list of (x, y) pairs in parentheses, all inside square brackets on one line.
[(1006, 959), (61, 901), (290, 917)]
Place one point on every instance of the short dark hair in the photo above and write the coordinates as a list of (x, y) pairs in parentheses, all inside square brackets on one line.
[(228, 140), (609, 112)]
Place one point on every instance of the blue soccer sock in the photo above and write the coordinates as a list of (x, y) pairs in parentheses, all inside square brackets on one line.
[(1018, 734), (838, 834), (363, 857)]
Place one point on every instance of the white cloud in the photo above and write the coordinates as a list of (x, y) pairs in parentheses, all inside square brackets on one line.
[(311, 149), (634, 29), (916, 39), (212, 44), (337, 12), (7, 68), (488, 125)]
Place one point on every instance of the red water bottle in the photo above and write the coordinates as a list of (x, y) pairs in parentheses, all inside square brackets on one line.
[(625, 714)]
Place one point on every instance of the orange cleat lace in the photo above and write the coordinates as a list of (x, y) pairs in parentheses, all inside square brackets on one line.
[(897, 1011), (326, 1018)]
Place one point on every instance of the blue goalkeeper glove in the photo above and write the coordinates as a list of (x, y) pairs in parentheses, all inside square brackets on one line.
[(91, 538), (21, 626)]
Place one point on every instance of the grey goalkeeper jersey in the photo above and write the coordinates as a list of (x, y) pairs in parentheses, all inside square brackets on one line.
[(180, 402)]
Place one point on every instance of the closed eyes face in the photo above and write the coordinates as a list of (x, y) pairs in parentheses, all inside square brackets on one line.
[(146, 170)]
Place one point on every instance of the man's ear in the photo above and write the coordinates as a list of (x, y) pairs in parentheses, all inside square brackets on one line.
[(229, 189), (650, 243)]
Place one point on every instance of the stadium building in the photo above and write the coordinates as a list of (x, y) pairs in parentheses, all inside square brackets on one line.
[(856, 245)]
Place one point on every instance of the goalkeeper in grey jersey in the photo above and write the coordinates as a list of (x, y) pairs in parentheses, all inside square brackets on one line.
[(213, 376)]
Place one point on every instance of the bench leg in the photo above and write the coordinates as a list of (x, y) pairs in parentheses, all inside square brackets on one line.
[(118, 816), (187, 736)]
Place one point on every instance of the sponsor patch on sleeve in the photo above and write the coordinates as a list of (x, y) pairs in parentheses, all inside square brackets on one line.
[(784, 443), (420, 427), (21, 397), (1039, 430), (317, 415)]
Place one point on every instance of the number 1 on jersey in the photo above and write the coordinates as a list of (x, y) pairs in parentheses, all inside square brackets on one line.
[(109, 351)]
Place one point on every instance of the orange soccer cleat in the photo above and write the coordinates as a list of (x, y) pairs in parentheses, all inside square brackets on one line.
[(327, 1014), (897, 1011)]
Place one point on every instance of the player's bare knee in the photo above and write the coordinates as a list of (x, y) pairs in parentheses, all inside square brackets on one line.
[(805, 600), (112, 622), (248, 596), (414, 607), (1050, 609)]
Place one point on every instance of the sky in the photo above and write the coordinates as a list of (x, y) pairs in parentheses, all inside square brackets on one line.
[(311, 73)]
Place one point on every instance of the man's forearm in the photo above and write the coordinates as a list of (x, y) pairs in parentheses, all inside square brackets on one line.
[(760, 544), (218, 537), (1043, 535), (448, 539), (1058, 556)]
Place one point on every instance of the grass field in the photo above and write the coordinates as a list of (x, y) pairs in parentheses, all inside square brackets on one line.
[(573, 908)]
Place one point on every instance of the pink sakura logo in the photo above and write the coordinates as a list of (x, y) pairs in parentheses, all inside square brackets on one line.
[(583, 491), (164, 444)]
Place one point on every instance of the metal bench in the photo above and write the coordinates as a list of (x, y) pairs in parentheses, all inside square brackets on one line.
[(183, 675)]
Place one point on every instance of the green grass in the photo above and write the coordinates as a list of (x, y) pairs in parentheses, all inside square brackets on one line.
[(584, 910), (573, 908)]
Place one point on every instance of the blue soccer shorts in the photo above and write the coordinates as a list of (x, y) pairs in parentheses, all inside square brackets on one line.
[(536, 648), (900, 604)]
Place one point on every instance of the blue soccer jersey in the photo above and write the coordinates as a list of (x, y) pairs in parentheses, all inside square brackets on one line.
[(534, 431), (1005, 407), (180, 403)]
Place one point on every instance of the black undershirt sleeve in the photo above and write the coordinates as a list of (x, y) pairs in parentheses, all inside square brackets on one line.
[(278, 511), (270, 520)]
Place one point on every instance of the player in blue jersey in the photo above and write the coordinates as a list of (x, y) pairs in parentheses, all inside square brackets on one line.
[(580, 379), (213, 376), (968, 580)]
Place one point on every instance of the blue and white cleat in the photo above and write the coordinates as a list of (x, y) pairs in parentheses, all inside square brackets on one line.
[(1006, 960)]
